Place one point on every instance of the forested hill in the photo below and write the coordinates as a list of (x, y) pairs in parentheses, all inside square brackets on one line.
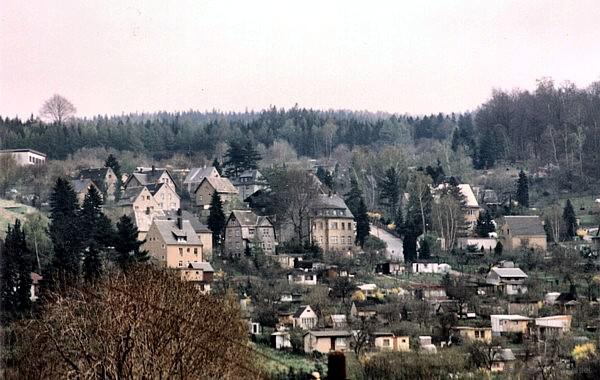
[(557, 125)]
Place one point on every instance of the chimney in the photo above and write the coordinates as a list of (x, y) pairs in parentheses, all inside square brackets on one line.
[(153, 168), (179, 219)]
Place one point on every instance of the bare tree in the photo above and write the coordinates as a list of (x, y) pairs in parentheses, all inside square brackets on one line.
[(146, 324), (57, 109)]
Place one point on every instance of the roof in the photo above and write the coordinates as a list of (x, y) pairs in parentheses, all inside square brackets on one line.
[(329, 333), (146, 177), (338, 318), (81, 185), (130, 194), (197, 174), (504, 355), (154, 187), (467, 192), (169, 232), (22, 151), (98, 175), (203, 266), (220, 184), (332, 201), (367, 287), (509, 272), (510, 317), (186, 215), (525, 225), (300, 310)]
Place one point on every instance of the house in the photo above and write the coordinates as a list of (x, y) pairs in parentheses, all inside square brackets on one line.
[(244, 229), (391, 268), (509, 323), (325, 341), (196, 175), (510, 281), (248, 183), (470, 205), (81, 188), (302, 277), (426, 345), (332, 224), (254, 328), (337, 321), (387, 341), (369, 290), (165, 195), (203, 232), (200, 274), (280, 340), (363, 309), (173, 243), (285, 318), (104, 178), (305, 318), (471, 333), (208, 186), (35, 286), (502, 359), (25, 157), (139, 203), (148, 176), (479, 244), (430, 267), (553, 326), (287, 260), (428, 291), (527, 231)]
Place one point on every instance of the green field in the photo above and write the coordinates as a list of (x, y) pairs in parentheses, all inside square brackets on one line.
[(279, 362)]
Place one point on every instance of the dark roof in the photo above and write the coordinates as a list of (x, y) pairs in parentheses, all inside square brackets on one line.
[(220, 184), (525, 225), (186, 215), (300, 310), (154, 187), (197, 174), (130, 194), (97, 175), (254, 175), (146, 177), (332, 202), (81, 185), (170, 232)]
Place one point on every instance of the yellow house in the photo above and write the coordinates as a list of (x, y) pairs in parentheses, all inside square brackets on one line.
[(139, 203), (202, 231), (387, 341), (521, 230), (481, 334), (332, 224), (173, 243), (509, 323), (165, 195)]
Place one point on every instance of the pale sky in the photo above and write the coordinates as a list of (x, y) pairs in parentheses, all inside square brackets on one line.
[(415, 57)]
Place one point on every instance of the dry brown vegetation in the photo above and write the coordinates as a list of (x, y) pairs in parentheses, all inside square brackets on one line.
[(146, 324)]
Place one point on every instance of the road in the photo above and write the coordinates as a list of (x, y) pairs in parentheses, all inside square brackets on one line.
[(394, 244)]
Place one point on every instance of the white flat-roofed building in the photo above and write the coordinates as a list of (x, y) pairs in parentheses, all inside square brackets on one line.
[(25, 157)]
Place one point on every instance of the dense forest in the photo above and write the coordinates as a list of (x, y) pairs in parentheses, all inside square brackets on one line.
[(553, 125)]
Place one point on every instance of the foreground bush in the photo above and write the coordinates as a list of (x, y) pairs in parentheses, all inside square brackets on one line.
[(146, 324)]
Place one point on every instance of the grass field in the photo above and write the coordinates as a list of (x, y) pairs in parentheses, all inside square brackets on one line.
[(586, 209), (11, 211), (281, 361)]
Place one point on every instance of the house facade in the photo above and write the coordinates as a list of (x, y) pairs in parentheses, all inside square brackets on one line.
[(332, 224), (305, 318), (244, 229), (480, 334), (173, 243), (104, 178), (202, 231), (248, 183), (205, 190), (81, 188), (196, 175), (139, 203), (510, 281), (524, 231), (509, 323), (166, 197), (25, 157), (325, 341), (387, 341)]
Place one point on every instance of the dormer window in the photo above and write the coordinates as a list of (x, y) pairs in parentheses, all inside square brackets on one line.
[(181, 239)]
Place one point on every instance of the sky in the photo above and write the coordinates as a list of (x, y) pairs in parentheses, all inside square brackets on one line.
[(416, 57)]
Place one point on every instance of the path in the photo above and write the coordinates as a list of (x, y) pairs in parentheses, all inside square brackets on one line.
[(394, 244)]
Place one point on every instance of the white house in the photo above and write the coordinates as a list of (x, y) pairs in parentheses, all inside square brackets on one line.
[(510, 280), (434, 268), (281, 340), (25, 157), (305, 318), (509, 323), (300, 277)]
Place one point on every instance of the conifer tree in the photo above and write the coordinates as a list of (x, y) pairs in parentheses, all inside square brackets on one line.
[(96, 232), (399, 221), (217, 166), (240, 157), (216, 218), (127, 245), (390, 189), (325, 177), (16, 264), (570, 220), (362, 223), (522, 195), (484, 224), (65, 235), (352, 197)]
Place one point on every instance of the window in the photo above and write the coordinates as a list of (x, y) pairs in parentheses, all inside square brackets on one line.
[(163, 246), (320, 225), (181, 263), (334, 225), (308, 277), (386, 343), (200, 197), (237, 233), (195, 251), (342, 240), (334, 240), (188, 249), (180, 251), (476, 334), (343, 226)]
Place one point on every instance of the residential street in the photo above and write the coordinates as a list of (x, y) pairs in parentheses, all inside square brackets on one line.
[(394, 244)]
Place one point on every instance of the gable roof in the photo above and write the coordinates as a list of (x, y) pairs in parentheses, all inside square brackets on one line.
[(154, 187), (254, 175), (247, 218), (509, 272), (170, 232), (146, 177), (525, 225), (467, 192), (130, 194), (220, 184), (504, 355), (301, 310), (186, 215), (329, 333), (97, 175), (82, 185), (197, 174), (203, 266)]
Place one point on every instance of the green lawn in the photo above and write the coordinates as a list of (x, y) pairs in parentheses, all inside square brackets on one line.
[(280, 362)]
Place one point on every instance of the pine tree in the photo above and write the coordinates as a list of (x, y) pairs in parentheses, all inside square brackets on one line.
[(498, 248), (390, 189), (362, 223), (16, 264), (522, 195), (241, 157), (325, 177), (437, 174), (484, 224), (111, 162), (570, 220), (127, 245), (399, 221), (96, 232), (216, 218), (65, 235)]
